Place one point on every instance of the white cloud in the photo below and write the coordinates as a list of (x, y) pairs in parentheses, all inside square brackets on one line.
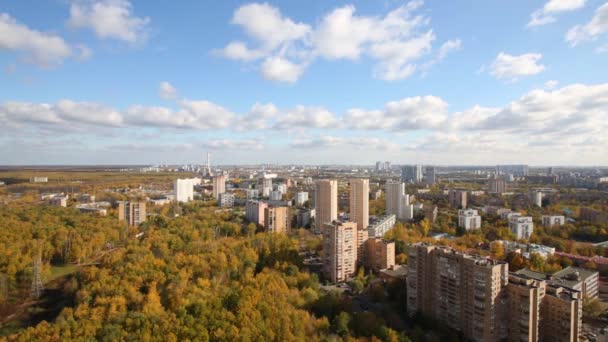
[(64, 113), (257, 118), (550, 84), (230, 144), (330, 142), (40, 48), (449, 46), (396, 41), (109, 19), (509, 67), (167, 91), (546, 14), (281, 70), (306, 117), (592, 30)]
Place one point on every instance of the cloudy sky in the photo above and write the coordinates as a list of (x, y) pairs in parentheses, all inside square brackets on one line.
[(434, 82)]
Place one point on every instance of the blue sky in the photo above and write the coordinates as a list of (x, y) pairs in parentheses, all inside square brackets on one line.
[(437, 82)]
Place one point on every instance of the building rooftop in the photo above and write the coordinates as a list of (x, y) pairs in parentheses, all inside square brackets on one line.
[(397, 271), (533, 274), (570, 276)]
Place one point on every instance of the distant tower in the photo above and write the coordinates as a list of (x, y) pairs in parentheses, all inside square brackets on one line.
[(37, 287), (208, 168)]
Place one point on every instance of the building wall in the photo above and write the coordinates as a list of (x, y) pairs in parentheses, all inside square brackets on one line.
[(326, 201), (277, 220), (359, 202), (339, 250), (380, 254), (219, 186)]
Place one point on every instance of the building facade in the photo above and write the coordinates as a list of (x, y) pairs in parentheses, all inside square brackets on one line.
[(553, 220), (326, 202), (301, 198), (380, 254), (497, 185), (132, 212), (255, 211), (359, 202), (411, 174), (339, 250), (380, 225), (219, 186), (183, 190), (469, 219), (521, 226), (277, 220), (457, 198)]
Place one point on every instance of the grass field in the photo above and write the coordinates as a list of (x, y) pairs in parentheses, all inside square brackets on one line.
[(60, 271)]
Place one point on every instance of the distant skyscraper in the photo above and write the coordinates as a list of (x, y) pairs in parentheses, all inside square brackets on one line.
[(339, 250), (359, 202), (411, 173), (132, 212), (326, 201), (497, 185), (429, 175), (266, 186), (219, 186)]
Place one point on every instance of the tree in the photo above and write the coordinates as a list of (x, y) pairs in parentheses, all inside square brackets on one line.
[(425, 227), (340, 324), (497, 250)]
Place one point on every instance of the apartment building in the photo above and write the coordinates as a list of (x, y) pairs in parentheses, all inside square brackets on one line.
[(398, 202), (380, 225), (326, 201), (469, 219), (521, 226), (226, 200), (522, 315), (339, 250), (553, 220), (132, 212), (219, 186), (277, 219), (255, 211), (497, 185), (359, 202), (380, 254), (457, 198), (561, 315)]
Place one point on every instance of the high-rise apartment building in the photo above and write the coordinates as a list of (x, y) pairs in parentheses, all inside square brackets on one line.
[(522, 312), (411, 173), (458, 198), (266, 184), (219, 186), (561, 315), (359, 202), (301, 198), (397, 202), (537, 198), (380, 254), (521, 226), (132, 212), (339, 250), (469, 219), (326, 202), (429, 175), (183, 190), (277, 219), (460, 290), (255, 212), (497, 185)]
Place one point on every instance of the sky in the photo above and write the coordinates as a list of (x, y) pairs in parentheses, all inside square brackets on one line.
[(304, 82)]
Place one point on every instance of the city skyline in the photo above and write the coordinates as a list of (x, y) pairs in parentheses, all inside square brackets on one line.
[(345, 82)]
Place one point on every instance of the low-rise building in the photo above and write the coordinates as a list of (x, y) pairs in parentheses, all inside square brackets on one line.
[(553, 220), (577, 278), (39, 179), (469, 219), (521, 226), (380, 225), (99, 208), (59, 201)]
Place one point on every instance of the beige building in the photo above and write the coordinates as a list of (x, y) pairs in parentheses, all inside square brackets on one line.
[(362, 237), (524, 296), (255, 211), (339, 250), (380, 254), (219, 186), (359, 202), (132, 212), (561, 315), (277, 220), (326, 202)]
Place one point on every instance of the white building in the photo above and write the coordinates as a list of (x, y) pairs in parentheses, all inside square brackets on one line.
[(537, 198), (282, 188), (252, 193), (553, 220), (59, 201), (39, 180), (301, 198), (397, 202), (184, 189), (521, 226), (469, 219), (379, 226), (276, 195), (226, 200), (266, 186)]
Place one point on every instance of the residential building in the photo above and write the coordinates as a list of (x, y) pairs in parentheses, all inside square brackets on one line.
[(430, 213), (553, 220), (380, 254), (132, 212), (255, 211), (561, 315), (39, 179), (359, 202), (59, 201), (521, 226), (276, 195), (523, 301), (459, 290), (517, 170), (86, 198), (497, 185), (397, 202), (252, 193), (376, 195), (537, 198), (326, 202), (183, 190), (277, 219), (266, 186), (339, 250), (429, 175), (362, 237), (458, 198), (99, 208), (593, 216), (226, 200), (577, 278), (301, 198), (304, 217), (469, 219), (381, 225), (411, 174), (219, 186)]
